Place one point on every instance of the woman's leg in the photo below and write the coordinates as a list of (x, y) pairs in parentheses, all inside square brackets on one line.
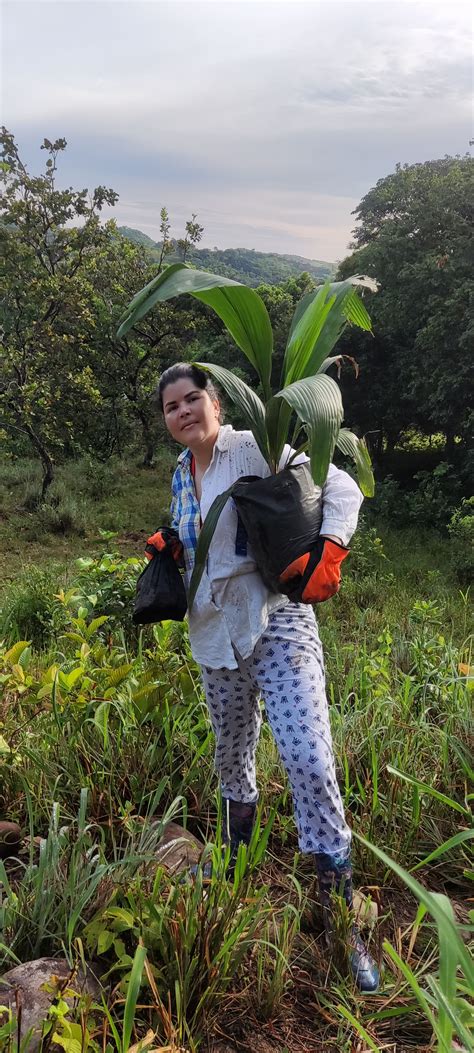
[(235, 715), (288, 668), (287, 665)]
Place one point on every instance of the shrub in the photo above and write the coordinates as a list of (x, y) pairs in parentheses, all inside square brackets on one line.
[(430, 503), (435, 497), (63, 515), (367, 552), (461, 532), (106, 585), (100, 480), (390, 502), (30, 610)]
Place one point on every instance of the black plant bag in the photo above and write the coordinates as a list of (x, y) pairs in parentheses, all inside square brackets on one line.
[(160, 591), (282, 518)]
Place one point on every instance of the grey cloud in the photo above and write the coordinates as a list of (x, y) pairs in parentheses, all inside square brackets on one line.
[(272, 119)]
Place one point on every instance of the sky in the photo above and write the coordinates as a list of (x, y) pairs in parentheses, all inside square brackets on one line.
[(270, 120)]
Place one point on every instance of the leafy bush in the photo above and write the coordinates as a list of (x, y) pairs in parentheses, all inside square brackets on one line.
[(390, 502), (367, 551), (30, 610), (431, 504), (436, 495), (100, 480), (106, 585), (65, 515), (461, 532)]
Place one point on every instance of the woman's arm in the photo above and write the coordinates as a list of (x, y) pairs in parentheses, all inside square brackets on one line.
[(341, 499), (175, 507)]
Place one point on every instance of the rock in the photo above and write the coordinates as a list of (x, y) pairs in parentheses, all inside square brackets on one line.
[(178, 849), (23, 986), (366, 911), (10, 839)]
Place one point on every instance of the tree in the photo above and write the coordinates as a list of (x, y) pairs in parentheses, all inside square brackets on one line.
[(414, 236), (126, 371), (193, 234), (66, 385), (46, 315)]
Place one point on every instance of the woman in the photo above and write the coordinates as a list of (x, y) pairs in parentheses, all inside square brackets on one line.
[(251, 643)]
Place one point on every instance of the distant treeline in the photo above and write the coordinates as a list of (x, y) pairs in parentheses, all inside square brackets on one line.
[(244, 265)]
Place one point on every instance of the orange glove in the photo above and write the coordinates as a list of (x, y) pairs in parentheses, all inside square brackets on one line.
[(165, 538), (316, 575)]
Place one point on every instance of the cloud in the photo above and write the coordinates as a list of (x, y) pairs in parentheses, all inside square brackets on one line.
[(275, 117)]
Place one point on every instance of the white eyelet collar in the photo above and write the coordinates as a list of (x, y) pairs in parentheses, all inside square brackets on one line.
[(222, 443)]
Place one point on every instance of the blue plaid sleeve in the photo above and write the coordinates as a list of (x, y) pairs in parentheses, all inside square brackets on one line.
[(185, 512), (175, 509)]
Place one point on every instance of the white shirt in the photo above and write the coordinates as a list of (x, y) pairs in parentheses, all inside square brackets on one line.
[(232, 604)]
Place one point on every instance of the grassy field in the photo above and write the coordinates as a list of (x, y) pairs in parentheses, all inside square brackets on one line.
[(104, 737)]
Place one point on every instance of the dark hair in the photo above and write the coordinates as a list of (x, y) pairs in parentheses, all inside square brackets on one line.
[(187, 371)]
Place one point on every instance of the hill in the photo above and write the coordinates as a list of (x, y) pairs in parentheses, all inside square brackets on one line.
[(244, 265)]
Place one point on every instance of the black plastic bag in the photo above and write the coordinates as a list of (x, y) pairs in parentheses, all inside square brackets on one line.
[(282, 516), (160, 591)]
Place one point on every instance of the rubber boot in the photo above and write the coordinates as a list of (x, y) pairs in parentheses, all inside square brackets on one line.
[(237, 826), (335, 876)]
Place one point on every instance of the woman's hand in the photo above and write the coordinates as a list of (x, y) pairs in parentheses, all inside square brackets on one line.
[(166, 537), (318, 571)]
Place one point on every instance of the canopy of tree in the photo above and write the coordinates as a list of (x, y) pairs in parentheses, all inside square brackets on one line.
[(66, 384), (414, 235)]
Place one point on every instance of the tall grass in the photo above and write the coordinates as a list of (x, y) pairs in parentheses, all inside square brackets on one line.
[(104, 737)]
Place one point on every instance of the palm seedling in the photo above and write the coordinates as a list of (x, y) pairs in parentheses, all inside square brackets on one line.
[(306, 392)]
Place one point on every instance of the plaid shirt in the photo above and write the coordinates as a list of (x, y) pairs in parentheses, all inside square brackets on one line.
[(185, 511)]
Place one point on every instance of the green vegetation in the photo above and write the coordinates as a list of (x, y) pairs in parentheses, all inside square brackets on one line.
[(306, 392), (104, 735), (105, 738), (67, 388), (414, 235), (243, 265)]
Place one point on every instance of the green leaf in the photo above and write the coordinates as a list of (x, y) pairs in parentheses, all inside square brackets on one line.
[(145, 300), (351, 446), (356, 312), (205, 538), (105, 941), (447, 846), (12, 656), (318, 404), (132, 995), (319, 320), (277, 418), (240, 308), (247, 401), (425, 788), (115, 676), (358, 1027), (95, 624), (447, 928), (304, 335)]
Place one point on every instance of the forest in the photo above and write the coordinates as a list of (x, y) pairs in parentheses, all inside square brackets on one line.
[(244, 265), (105, 745)]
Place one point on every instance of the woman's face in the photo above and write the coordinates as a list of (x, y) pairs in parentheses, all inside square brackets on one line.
[(191, 416)]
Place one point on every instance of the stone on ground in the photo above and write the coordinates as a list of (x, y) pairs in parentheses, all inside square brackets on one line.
[(23, 986)]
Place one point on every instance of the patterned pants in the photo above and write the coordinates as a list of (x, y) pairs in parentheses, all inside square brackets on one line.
[(286, 669)]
